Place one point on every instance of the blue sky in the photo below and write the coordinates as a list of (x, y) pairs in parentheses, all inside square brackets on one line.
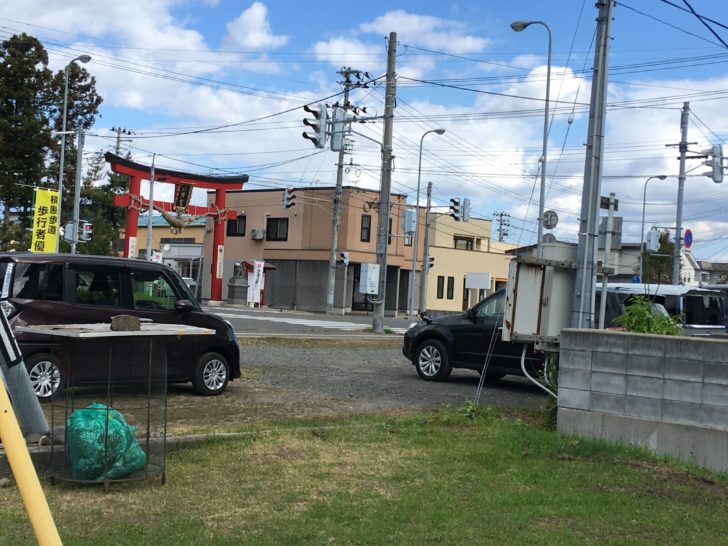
[(174, 72)]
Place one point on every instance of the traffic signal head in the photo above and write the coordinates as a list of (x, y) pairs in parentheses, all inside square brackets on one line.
[(87, 230), (716, 172), (317, 123), (289, 197), (465, 210), (430, 262), (344, 257), (455, 210)]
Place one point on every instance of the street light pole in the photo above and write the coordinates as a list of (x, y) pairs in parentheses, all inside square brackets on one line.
[(642, 236), (519, 26), (83, 59), (417, 225)]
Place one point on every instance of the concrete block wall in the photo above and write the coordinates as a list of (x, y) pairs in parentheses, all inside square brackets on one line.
[(666, 393)]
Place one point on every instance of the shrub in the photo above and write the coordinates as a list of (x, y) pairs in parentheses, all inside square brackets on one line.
[(638, 317)]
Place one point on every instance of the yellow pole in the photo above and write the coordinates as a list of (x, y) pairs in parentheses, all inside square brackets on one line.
[(22, 466)]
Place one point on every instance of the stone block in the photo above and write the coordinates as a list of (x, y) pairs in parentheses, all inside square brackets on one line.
[(579, 422), (574, 379), (608, 403), (649, 387), (639, 432), (647, 345), (614, 383), (573, 398), (643, 408), (611, 342), (688, 370), (649, 366), (714, 416), (675, 411), (715, 350), (715, 395), (609, 362), (684, 348), (715, 372), (686, 391), (575, 359), (573, 339)]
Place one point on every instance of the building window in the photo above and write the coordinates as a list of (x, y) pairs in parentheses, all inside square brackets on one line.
[(465, 291), (463, 243), (450, 288), (440, 287), (366, 228), (389, 235), (276, 229), (236, 228)]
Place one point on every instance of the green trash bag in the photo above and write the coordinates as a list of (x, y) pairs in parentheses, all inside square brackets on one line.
[(96, 456)]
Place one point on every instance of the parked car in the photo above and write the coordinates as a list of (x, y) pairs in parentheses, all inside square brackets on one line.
[(75, 289), (437, 345)]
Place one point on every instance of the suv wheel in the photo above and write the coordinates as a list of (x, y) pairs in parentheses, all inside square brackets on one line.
[(45, 375), (211, 375), (432, 362)]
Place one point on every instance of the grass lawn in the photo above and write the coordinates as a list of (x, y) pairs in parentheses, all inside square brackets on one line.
[(427, 478)]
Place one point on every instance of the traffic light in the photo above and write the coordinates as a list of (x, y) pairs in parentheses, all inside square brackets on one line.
[(715, 162), (289, 198), (68, 232), (86, 230), (344, 257), (455, 210), (318, 124), (430, 262), (466, 210), (340, 126)]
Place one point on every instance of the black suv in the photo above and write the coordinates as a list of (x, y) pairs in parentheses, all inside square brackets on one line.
[(76, 289), (437, 345)]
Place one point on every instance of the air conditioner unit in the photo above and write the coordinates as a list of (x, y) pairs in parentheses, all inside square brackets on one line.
[(257, 234)]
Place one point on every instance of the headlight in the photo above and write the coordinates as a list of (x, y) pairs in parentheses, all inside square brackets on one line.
[(412, 325)]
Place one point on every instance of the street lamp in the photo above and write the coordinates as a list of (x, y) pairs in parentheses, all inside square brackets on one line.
[(83, 59), (642, 235), (519, 26), (439, 131)]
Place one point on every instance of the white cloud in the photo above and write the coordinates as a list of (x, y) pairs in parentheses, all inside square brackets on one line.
[(351, 52), (426, 31), (252, 31)]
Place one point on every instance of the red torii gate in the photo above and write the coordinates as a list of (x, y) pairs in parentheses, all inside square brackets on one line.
[(135, 203)]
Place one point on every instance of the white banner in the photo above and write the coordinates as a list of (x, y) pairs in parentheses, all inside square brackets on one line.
[(220, 261), (256, 282)]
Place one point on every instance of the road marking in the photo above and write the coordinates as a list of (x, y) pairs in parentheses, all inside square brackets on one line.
[(334, 325)]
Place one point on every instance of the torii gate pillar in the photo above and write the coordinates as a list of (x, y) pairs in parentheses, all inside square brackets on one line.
[(134, 203)]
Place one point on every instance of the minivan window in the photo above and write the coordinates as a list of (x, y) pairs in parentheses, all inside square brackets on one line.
[(492, 307), (97, 285), (703, 309), (151, 290), (38, 282)]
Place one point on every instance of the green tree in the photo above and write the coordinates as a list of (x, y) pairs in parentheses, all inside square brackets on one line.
[(657, 267), (25, 136)]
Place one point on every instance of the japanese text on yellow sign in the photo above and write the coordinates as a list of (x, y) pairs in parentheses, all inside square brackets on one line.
[(45, 221)]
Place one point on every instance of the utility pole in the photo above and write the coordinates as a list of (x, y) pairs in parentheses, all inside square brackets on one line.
[(612, 206), (150, 210), (426, 257), (119, 131), (680, 191), (77, 189), (384, 197), (346, 73), (585, 281)]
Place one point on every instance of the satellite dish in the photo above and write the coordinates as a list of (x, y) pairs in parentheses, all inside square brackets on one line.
[(549, 238)]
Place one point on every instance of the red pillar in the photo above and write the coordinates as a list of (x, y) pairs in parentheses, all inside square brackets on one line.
[(132, 219), (218, 248)]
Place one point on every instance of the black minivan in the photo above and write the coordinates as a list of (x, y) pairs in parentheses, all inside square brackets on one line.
[(77, 289)]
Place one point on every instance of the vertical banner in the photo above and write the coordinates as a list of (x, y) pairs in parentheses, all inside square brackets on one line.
[(132, 247), (255, 282), (45, 221), (220, 261)]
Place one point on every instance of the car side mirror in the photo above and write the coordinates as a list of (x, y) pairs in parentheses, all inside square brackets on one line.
[(184, 306)]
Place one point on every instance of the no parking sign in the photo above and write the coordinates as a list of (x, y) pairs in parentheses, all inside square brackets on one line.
[(688, 239)]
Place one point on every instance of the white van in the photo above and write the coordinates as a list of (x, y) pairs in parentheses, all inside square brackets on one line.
[(701, 311)]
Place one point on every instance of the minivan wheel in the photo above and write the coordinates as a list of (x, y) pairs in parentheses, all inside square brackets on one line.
[(211, 375), (45, 375), (432, 362)]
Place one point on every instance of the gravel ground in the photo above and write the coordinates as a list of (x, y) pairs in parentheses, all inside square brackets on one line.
[(304, 378)]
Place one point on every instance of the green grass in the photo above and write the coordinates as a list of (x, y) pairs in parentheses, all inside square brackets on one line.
[(428, 478)]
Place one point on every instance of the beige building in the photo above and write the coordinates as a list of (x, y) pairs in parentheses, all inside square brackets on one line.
[(295, 244), (462, 252)]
